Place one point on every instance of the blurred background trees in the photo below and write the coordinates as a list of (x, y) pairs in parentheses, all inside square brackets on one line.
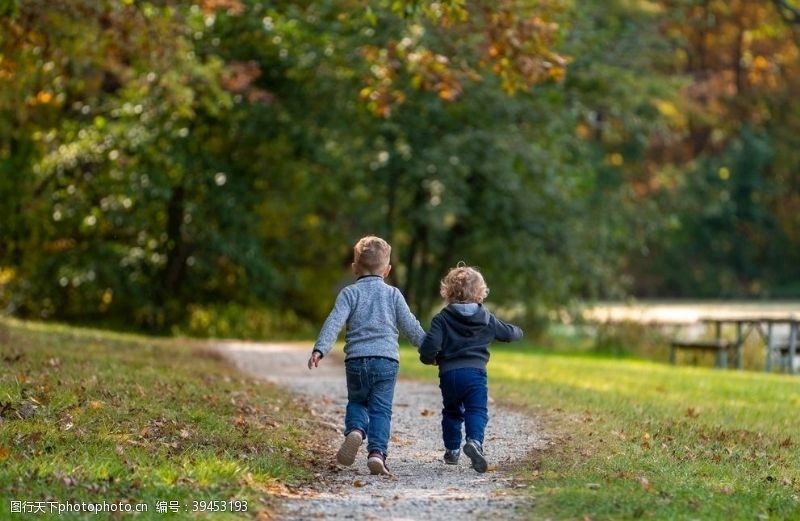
[(206, 166)]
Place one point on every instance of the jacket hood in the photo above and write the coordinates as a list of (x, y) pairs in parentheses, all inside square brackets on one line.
[(467, 325)]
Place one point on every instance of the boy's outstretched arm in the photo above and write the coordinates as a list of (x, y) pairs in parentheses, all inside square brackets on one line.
[(407, 323), (432, 343), (330, 329), (505, 332)]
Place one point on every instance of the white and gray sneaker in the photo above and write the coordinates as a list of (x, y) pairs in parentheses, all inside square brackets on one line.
[(376, 463), (451, 456), (347, 452), (474, 452)]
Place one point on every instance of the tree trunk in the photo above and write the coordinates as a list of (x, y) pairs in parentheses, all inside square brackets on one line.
[(177, 249)]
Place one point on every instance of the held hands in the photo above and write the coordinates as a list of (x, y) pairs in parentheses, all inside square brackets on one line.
[(313, 361)]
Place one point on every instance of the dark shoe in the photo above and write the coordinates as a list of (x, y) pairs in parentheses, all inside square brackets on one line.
[(347, 452), (474, 452), (376, 463), (451, 456)]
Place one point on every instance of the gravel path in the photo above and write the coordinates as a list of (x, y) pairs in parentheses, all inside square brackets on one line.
[(421, 487)]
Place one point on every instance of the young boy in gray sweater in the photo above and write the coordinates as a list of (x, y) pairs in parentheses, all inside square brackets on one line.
[(374, 312)]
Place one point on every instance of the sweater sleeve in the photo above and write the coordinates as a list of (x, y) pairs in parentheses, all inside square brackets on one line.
[(432, 344), (407, 323), (333, 324), (505, 332)]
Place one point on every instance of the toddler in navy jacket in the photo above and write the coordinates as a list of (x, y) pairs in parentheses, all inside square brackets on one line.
[(458, 342)]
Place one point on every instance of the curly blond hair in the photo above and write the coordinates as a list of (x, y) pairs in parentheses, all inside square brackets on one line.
[(462, 285), (371, 255)]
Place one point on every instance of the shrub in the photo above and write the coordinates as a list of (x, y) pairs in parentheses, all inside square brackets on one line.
[(237, 321)]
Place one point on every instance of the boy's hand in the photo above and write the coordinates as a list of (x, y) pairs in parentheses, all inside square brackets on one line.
[(313, 361)]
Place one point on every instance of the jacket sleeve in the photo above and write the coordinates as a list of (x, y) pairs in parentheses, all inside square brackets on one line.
[(432, 344), (407, 323), (505, 332), (333, 324)]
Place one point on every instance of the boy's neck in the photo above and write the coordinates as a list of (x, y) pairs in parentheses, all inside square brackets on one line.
[(369, 275)]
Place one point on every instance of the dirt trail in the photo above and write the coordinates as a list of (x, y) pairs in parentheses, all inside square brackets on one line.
[(421, 487)]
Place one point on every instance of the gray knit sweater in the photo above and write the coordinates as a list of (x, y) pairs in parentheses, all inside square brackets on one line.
[(373, 312)]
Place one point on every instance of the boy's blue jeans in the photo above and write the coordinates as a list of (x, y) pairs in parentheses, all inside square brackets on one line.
[(370, 390), (464, 396)]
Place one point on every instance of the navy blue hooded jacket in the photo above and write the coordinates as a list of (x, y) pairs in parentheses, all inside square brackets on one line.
[(456, 339)]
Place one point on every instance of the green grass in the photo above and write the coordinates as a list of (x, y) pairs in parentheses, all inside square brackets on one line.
[(91, 416), (634, 439)]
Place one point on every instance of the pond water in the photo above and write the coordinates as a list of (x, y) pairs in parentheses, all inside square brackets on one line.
[(687, 311)]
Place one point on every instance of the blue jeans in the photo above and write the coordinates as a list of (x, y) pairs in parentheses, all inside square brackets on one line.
[(464, 396), (370, 390)]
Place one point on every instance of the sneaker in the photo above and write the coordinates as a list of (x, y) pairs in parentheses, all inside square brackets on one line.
[(451, 456), (474, 452), (347, 452), (376, 462)]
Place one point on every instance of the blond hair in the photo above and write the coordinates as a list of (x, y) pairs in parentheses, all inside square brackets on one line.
[(371, 255), (463, 285)]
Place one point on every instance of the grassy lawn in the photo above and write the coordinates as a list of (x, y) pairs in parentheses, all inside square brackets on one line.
[(636, 439), (90, 416)]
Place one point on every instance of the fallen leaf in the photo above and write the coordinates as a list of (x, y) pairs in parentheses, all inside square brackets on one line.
[(5, 453), (26, 411), (184, 433), (691, 412), (785, 444), (358, 483), (427, 412), (491, 468), (96, 404)]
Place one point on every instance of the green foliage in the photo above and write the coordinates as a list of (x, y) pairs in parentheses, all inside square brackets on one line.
[(235, 321), (632, 339), (182, 157)]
